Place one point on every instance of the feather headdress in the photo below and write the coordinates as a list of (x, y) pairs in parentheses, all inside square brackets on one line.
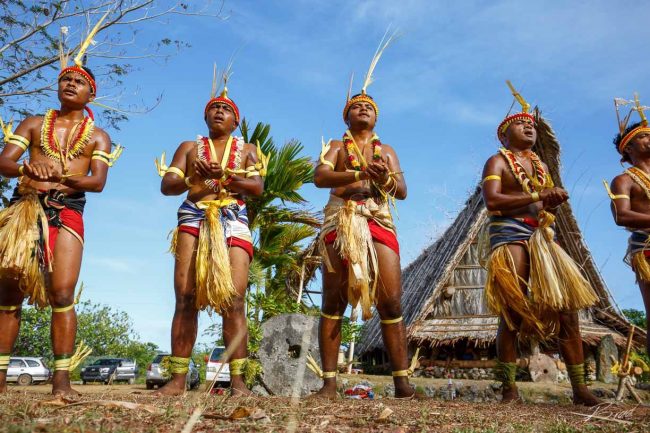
[(79, 57), (523, 114), (223, 96), (386, 40), (622, 123)]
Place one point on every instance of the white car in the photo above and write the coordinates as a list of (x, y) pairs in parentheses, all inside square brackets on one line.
[(213, 364), (27, 370)]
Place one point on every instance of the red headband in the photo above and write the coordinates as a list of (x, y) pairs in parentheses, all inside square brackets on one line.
[(630, 135), (83, 73), (503, 126), (227, 101)]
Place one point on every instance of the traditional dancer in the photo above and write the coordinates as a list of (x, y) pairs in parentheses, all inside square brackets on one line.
[(42, 231), (532, 284), (630, 194), (212, 242), (358, 240)]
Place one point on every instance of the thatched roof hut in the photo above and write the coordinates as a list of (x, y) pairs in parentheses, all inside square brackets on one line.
[(443, 300)]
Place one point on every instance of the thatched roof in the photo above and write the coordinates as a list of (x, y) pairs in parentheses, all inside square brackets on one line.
[(442, 290)]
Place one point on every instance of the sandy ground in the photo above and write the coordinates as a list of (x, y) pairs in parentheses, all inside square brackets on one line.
[(131, 408)]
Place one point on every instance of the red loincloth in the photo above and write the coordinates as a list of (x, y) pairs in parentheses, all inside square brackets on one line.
[(231, 241), (71, 221), (379, 234)]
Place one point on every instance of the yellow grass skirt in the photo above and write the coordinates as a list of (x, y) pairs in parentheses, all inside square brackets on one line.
[(21, 255), (555, 284), (214, 285)]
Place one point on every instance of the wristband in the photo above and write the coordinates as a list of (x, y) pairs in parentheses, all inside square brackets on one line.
[(535, 196), (357, 176), (21, 170), (188, 182)]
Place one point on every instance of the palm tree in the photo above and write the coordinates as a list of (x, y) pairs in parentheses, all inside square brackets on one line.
[(283, 226)]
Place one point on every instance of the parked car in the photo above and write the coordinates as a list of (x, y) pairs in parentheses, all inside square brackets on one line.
[(213, 364), (110, 370), (27, 370), (155, 374)]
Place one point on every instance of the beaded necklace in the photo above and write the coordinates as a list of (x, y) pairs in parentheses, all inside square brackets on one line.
[(231, 158), (352, 150), (50, 143), (641, 178), (530, 184)]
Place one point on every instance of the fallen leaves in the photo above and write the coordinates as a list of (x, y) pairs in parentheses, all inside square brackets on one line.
[(61, 403), (385, 414), (241, 412)]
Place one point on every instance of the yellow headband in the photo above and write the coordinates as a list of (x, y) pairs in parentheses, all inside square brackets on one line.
[(360, 98)]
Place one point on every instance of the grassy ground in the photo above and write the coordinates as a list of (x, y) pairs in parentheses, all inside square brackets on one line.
[(130, 408)]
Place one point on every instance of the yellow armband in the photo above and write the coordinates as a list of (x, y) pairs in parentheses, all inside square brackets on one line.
[(325, 147), (11, 138), (612, 195), (176, 170), (17, 140), (262, 165), (491, 177), (323, 161), (108, 158), (102, 156)]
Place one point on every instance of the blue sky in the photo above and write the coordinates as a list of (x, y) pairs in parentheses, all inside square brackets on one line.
[(441, 93)]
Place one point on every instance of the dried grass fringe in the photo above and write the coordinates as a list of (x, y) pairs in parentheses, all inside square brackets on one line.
[(641, 266), (504, 294), (556, 282), (20, 253), (354, 242), (214, 285)]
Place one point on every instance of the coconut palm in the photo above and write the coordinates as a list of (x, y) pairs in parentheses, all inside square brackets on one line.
[(283, 226)]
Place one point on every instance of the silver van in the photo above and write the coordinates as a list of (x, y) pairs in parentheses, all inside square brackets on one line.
[(27, 370)]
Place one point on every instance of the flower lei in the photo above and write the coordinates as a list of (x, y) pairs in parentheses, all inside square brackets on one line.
[(641, 178), (352, 149), (530, 184), (232, 163), (73, 148)]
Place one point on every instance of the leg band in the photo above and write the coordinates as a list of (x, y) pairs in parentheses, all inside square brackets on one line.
[(10, 307), (237, 366), (76, 299), (62, 362), (330, 316), (178, 365), (313, 366), (505, 372), (4, 361), (414, 363), (391, 321), (576, 374), (62, 309)]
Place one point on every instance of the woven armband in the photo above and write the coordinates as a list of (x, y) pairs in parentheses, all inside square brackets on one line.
[(19, 141), (491, 177), (102, 156), (176, 171)]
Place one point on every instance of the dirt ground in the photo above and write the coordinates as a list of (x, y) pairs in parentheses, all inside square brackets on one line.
[(131, 408)]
